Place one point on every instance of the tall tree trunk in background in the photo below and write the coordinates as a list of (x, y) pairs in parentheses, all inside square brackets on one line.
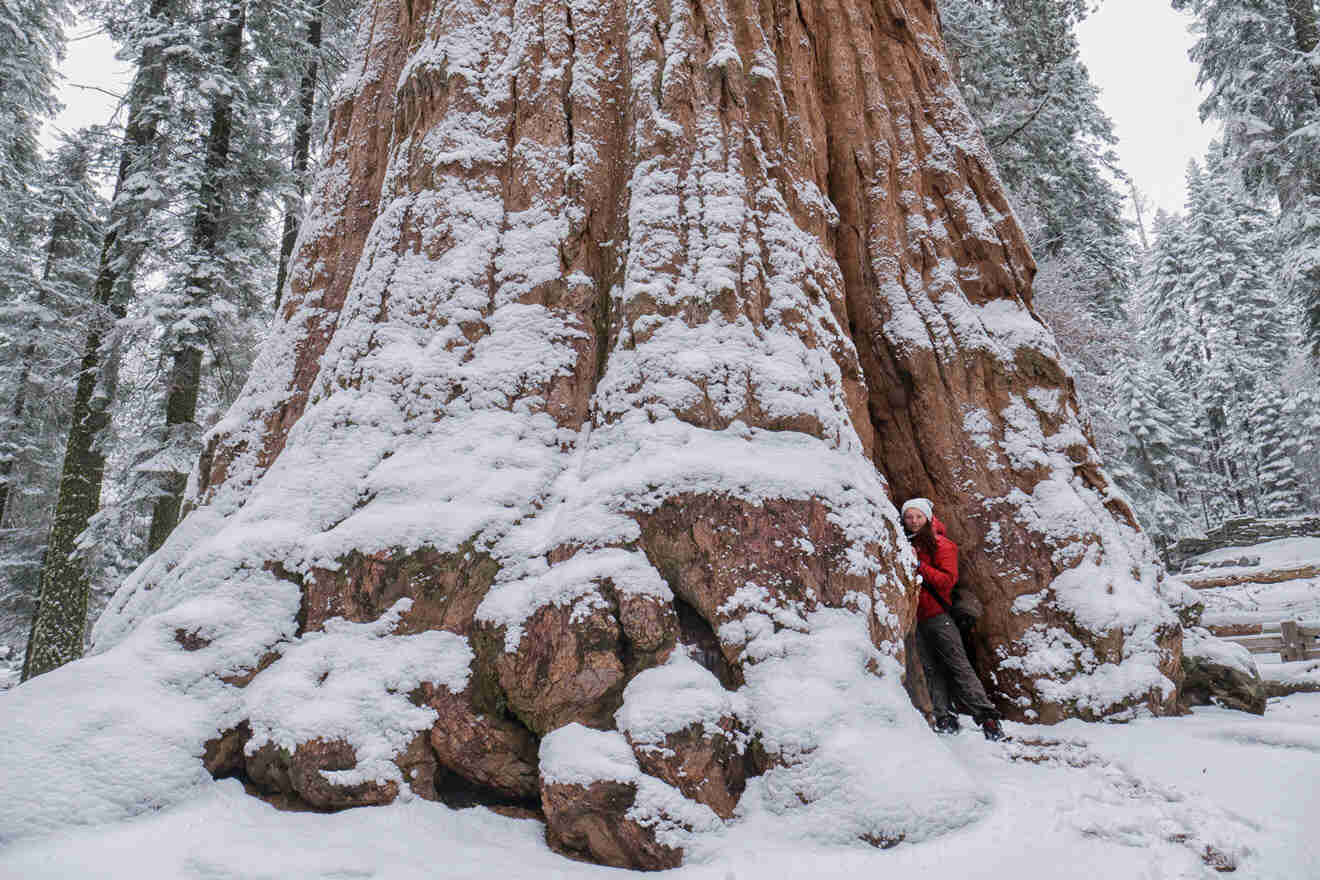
[(61, 618), (186, 368), (1138, 204), (1306, 33), (1294, 193), (58, 248), (10, 453), (302, 140), (14, 278)]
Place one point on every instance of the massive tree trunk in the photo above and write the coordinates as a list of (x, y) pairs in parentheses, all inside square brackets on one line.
[(59, 625), (621, 327), (185, 377)]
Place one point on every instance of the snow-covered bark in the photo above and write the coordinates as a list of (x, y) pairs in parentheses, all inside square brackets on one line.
[(614, 327)]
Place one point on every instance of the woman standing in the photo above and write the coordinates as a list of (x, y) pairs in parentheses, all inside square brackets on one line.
[(939, 643)]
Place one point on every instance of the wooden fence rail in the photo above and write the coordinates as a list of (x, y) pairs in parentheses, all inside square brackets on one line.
[(1290, 639)]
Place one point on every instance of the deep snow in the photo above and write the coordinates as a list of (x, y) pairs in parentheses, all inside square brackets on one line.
[(1279, 553), (1150, 798), (1139, 800), (1264, 603), (1247, 603)]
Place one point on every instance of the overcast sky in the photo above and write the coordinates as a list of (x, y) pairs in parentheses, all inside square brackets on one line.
[(1136, 51), (89, 65)]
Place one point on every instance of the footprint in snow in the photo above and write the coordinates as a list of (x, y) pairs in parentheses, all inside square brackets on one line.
[(1123, 808)]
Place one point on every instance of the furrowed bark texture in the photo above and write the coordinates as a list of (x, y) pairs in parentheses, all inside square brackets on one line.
[(614, 333)]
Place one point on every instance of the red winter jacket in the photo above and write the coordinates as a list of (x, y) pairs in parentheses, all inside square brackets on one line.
[(940, 572)]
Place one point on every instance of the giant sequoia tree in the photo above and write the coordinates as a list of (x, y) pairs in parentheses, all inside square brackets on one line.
[(567, 473)]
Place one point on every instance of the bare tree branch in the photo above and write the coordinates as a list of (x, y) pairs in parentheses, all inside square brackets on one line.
[(115, 95), (1023, 127)]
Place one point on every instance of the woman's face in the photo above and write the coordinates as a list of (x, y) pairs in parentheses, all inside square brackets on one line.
[(914, 519)]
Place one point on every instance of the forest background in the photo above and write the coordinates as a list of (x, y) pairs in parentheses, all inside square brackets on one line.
[(143, 260)]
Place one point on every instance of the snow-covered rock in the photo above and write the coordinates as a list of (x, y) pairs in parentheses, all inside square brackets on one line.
[(1221, 673)]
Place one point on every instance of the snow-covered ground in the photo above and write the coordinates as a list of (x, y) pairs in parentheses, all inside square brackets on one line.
[(1154, 798), (1294, 676), (1279, 553), (1254, 602)]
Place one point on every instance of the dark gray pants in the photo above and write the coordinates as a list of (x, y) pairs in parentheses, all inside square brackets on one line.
[(948, 674)]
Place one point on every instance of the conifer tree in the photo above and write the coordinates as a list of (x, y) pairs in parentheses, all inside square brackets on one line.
[(1257, 58), (61, 618), (1162, 452), (31, 45), (40, 332), (187, 328), (1301, 415), (1217, 323), (39, 320), (1021, 74), (1275, 456), (229, 187), (302, 139)]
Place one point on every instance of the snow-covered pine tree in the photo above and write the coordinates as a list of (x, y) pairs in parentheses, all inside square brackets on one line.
[(1301, 412), (1169, 330), (148, 35), (194, 302), (21, 306), (40, 322), (1276, 449), (1258, 59), (1162, 453), (1215, 318), (1167, 323), (40, 336), (299, 50), (312, 70), (1021, 74), (232, 123), (31, 45), (1234, 289)]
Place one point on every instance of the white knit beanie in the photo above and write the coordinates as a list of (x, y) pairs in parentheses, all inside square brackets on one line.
[(922, 504)]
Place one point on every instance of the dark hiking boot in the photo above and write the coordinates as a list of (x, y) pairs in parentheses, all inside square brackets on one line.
[(993, 732), (946, 724)]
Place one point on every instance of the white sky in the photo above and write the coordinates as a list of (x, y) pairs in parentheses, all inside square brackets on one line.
[(90, 61), (1136, 51)]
